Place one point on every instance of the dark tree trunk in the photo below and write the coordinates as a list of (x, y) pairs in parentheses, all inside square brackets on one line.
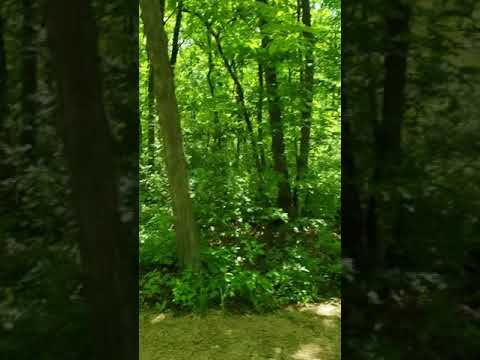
[(162, 10), (176, 34), (6, 171), (29, 75), (307, 104), (382, 214), (284, 199), (3, 77), (280, 165), (351, 217), (261, 96), (131, 117), (240, 98), (107, 256)]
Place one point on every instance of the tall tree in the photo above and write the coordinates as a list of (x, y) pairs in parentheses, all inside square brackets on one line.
[(239, 96), (28, 73), (307, 102), (151, 119), (4, 169), (211, 87), (176, 34), (280, 165), (188, 246), (107, 255), (3, 75), (261, 98), (382, 214)]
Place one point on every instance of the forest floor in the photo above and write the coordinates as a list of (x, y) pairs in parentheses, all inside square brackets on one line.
[(309, 332)]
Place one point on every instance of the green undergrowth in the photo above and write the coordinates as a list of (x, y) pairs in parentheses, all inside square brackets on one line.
[(245, 273)]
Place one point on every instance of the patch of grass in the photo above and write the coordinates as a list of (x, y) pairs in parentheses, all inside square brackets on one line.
[(309, 333)]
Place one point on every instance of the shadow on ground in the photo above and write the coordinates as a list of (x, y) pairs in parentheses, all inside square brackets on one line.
[(297, 333)]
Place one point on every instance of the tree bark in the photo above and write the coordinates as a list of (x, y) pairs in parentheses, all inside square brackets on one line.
[(211, 87), (176, 35), (240, 98), (382, 214), (7, 198), (188, 247), (29, 75), (284, 196), (151, 119), (307, 104), (162, 11), (261, 96), (107, 257), (353, 238), (3, 76)]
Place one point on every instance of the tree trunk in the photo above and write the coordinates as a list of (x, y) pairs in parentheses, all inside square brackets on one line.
[(6, 170), (107, 257), (351, 221), (162, 11), (383, 213), (188, 247), (307, 104), (3, 77), (29, 75), (284, 197), (211, 87), (261, 96), (240, 98), (151, 120), (176, 35)]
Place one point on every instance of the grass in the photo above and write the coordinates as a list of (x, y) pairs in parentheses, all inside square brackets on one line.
[(308, 333)]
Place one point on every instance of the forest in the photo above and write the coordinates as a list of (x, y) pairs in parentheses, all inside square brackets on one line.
[(410, 189), (239, 175), (263, 179)]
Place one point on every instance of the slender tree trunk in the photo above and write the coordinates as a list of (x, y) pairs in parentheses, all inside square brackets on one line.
[(29, 75), (284, 197), (307, 104), (131, 116), (240, 98), (383, 213), (151, 120), (351, 218), (188, 247), (6, 170), (260, 135), (162, 10), (3, 77), (211, 87), (239, 93), (176, 34), (107, 256)]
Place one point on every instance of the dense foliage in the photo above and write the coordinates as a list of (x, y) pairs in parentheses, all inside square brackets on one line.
[(410, 194), (42, 281), (254, 253)]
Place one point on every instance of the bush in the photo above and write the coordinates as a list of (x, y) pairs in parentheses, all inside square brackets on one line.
[(232, 276)]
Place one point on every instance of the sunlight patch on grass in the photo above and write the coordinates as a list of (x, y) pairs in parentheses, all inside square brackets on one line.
[(294, 335), (308, 352), (328, 309)]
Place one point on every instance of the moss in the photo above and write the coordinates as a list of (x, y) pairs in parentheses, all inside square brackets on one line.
[(298, 334)]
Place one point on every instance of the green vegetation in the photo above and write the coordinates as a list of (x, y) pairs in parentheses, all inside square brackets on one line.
[(240, 154), (410, 180)]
